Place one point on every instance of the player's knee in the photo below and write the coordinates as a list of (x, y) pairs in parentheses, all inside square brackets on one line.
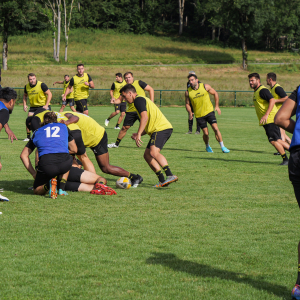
[(123, 114), (154, 153), (105, 169), (101, 179), (125, 128)]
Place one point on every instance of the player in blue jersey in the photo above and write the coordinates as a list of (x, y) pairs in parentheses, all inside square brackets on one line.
[(283, 119), (55, 144), (8, 98)]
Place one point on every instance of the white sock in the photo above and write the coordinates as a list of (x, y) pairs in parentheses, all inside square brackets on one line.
[(221, 144)]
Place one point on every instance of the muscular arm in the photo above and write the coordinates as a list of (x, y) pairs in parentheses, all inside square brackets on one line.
[(71, 119), (49, 97), (188, 105), (26, 161), (25, 102), (149, 89), (281, 100), (283, 116), (264, 119), (59, 82), (141, 130), (216, 96), (67, 92), (11, 135), (91, 84), (72, 147)]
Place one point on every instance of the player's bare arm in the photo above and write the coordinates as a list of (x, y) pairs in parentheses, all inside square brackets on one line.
[(284, 115), (264, 118), (112, 98), (72, 147), (11, 135), (49, 97), (141, 130), (281, 100), (214, 93), (67, 92), (59, 82), (25, 107), (188, 105), (149, 89), (90, 84), (71, 119), (26, 161)]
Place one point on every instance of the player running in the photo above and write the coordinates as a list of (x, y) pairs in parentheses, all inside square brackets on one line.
[(115, 94), (39, 96), (266, 110), (69, 97), (81, 83), (197, 96), (156, 125), (131, 114)]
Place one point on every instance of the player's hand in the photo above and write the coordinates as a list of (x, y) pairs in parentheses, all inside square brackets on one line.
[(45, 106), (134, 135), (112, 100), (25, 108), (53, 83), (0, 166), (218, 110), (11, 135), (264, 119), (138, 140), (62, 122), (191, 115), (64, 97), (86, 83)]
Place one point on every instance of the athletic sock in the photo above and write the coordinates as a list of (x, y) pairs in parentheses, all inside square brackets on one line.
[(298, 278), (118, 142), (191, 125), (132, 176), (221, 144), (28, 135), (284, 156), (46, 186), (167, 170), (108, 118), (117, 125), (62, 184), (160, 176)]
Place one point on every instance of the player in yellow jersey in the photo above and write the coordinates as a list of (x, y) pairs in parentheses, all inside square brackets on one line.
[(280, 96), (156, 125), (131, 114), (266, 111), (70, 97), (39, 96), (197, 96), (115, 94), (95, 137), (81, 83)]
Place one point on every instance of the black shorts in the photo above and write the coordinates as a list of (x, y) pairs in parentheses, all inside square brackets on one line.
[(73, 182), (209, 118), (159, 138), (272, 132), (101, 148), (121, 107), (52, 165), (294, 171), (70, 101), (81, 105), (79, 142), (130, 118), (34, 109)]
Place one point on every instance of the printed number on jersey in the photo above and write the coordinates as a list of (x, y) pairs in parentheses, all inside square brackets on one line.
[(52, 132)]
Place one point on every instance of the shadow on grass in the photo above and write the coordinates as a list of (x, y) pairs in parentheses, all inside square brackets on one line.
[(171, 261), (252, 151), (197, 56), (17, 186)]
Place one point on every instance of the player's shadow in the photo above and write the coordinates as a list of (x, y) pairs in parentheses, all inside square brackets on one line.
[(17, 186), (252, 151), (235, 160), (188, 150), (171, 261)]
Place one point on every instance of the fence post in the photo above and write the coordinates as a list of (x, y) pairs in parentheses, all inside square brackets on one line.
[(234, 98), (160, 92)]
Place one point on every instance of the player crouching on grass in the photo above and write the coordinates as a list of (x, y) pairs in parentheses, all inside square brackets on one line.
[(156, 125)]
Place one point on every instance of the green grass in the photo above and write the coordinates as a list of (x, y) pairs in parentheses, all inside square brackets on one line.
[(226, 230)]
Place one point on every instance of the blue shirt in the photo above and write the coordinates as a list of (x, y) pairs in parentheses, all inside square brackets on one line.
[(4, 114)]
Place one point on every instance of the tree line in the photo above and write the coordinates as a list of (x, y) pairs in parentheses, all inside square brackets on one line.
[(255, 24)]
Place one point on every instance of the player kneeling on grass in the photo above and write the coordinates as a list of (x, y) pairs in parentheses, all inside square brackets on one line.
[(54, 144), (156, 125)]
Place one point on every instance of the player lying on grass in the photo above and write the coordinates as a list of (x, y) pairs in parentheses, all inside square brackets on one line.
[(156, 125)]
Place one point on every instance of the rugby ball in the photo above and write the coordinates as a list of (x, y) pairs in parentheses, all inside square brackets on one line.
[(123, 183)]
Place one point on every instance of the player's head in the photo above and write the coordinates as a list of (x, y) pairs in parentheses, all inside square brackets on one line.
[(191, 73), (193, 80), (119, 77), (271, 78), (50, 117), (67, 77), (8, 96), (80, 69), (128, 76), (31, 79), (254, 80), (128, 92)]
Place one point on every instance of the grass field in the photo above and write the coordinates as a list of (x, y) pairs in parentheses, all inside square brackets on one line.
[(227, 229)]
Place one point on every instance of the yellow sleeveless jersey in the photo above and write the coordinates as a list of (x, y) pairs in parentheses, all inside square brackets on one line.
[(140, 91), (118, 86), (262, 105), (36, 95), (275, 96), (200, 101), (41, 115), (81, 91), (91, 132), (71, 95), (156, 120)]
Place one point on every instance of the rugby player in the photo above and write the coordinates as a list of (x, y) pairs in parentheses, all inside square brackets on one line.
[(131, 114), (266, 110), (8, 98), (81, 83), (197, 96), (156, 125), (70, 97), (95, 137), (115, 94), (284, 119), (39, 96)]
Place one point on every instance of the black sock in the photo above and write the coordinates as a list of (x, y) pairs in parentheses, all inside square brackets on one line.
[(167, 170), (108, 118), (117, 125), (298, 278), (160, 176), (190, 125), (28, 135), (118, 142), (284, 156), (131, 176), (62, 184), (47, 186)]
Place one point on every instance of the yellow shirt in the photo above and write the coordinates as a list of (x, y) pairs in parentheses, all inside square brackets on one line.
[(140, 91), (36, 95), (81, 91), (275, 96), (118, 86), (200, 101), (262, 105), (71, 95), (156, 120)]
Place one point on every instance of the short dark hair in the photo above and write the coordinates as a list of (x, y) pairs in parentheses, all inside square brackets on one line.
[(80, 65), (7, 94), (256, 75), (31, 75), (119, 74), (50, 117), (271, 76), (128, 73), (192, 75), (128, 88), (66, 75)]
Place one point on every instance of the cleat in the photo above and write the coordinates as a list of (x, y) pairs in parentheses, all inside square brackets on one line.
[(159, 185), (284, 163), (209, 150), (197, 132), (169, 180), (117, 127), (26, 140), (113, 145), (225, 150), (296, 292), (189, 132), (102, 189), (137, 181), (62, 192), (277, 153), (53, 188), (106, 122), (2, 198)]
